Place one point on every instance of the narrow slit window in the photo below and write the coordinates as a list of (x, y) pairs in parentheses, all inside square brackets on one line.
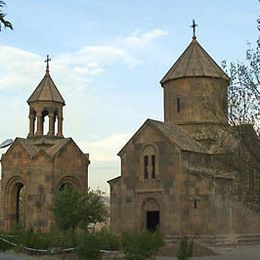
[(251, 177), (195, 203), (153, 166), (178, 105), (146, 167)]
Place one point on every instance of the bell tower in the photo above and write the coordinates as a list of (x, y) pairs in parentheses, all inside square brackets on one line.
[(35, 168), (46, 101)]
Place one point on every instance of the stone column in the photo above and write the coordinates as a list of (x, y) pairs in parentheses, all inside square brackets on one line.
[(60, 121), (31, 127), (51, 124), (39, 124)]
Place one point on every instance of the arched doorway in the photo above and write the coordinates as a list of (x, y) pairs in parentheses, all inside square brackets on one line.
[(17, 193), (151, 214), (20, 205)]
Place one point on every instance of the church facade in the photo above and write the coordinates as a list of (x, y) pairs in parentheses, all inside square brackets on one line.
[(36, 167), (192, 174)]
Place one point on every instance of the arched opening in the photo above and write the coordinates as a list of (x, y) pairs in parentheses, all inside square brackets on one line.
[(69, 182), (66, 185), (17, 204), (20, 202), (151, 214), (45, 122), (55, 122)]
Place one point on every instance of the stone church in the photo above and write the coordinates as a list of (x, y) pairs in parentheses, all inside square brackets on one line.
[(36, 167), (193, 173)]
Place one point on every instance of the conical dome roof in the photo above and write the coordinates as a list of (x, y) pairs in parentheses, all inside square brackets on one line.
[(194, 61), (46, 91)]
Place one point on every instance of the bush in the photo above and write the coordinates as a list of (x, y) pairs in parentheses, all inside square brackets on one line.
[(142, 245), (89, 244), (185, 249), (107, 240), (37, 240), (88, 247), (3, 245)]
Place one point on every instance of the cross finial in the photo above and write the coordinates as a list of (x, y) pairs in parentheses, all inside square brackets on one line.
[(47, 61), (193, 26)]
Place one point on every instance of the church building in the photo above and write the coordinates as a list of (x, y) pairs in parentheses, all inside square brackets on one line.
[(193, 173), (37, 167)]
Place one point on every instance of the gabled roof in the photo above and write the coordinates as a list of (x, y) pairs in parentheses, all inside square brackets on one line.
[(194, 61), (46, 91), (177, 135), (29, 146), (52, 147), (173, 133), (58, 146)]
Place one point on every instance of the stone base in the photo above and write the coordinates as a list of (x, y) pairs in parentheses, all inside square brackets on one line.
[(218, 240)]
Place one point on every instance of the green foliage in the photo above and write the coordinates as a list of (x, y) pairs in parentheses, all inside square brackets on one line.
[(107, 240), (88, 247), (185, 249), (90, 244), (3, 21), (141, 246), (73, 209), (3, 245), (37, 240)]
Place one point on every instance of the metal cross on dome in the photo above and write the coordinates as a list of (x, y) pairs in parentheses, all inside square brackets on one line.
[(193, 26), (47, 61)]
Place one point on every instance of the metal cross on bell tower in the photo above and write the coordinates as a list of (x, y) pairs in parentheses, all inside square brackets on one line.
[(193, 26), (47, 61)]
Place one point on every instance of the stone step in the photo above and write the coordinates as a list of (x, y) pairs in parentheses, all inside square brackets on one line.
[(218, 240), (248, 239)]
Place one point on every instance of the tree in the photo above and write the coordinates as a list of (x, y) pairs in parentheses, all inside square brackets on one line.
[(3, 21), (244, 90), (73, 209)]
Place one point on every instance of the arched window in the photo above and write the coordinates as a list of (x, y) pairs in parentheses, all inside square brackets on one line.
[(150, 165)]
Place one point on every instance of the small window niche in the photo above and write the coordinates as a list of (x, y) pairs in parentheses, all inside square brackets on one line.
[(178, 105), (153, 166), (146, 164)]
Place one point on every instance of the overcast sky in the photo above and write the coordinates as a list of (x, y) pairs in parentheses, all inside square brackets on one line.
[(108, 57)]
